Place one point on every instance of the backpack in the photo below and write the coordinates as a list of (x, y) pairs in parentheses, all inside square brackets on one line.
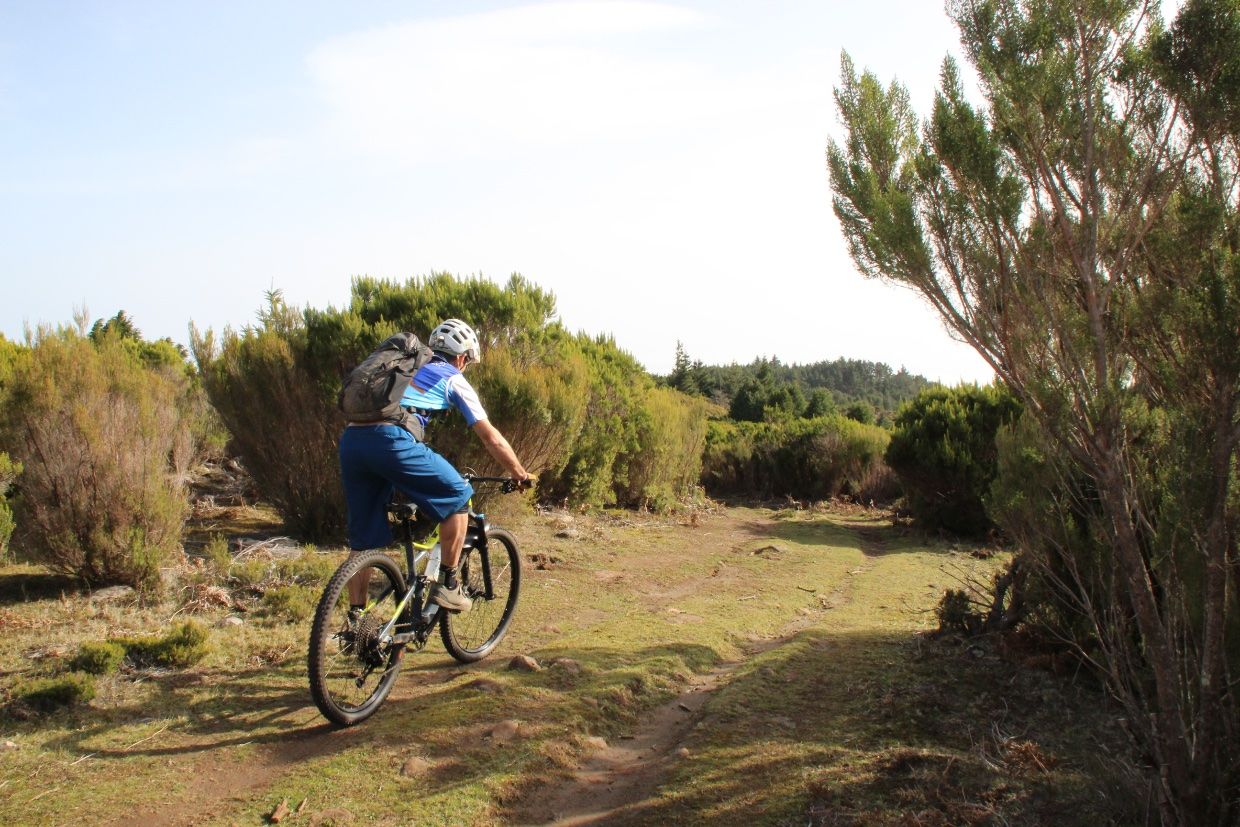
[(373, 390)]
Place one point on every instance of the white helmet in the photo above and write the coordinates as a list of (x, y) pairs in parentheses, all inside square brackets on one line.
[(455, 337)]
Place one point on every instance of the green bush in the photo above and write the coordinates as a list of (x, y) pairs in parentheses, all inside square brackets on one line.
[(219, 559), (957, 614), (667, 465), (50, 694), (292, 603), (943, 450), (104, 445), (98, 657), (571, 406), (182, 647), (307, 569), (8, 472), (810, 459)]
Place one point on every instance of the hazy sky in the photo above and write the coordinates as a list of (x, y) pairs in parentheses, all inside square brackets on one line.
[(659, 166)]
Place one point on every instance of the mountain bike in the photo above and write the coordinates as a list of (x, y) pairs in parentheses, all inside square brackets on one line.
[(355, 653)]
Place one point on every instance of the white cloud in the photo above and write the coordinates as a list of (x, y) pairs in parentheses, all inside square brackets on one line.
[(541, 75)]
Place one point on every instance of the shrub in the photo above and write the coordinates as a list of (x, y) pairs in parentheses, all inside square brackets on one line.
[(50, 694), (809, 459), (571, 406), (217, 555), (943, 449), (275, 385), (638, 445), (104, 446), (98, 657), (8, 472), (292, 603), (307, 569), (956, 613), (182, 647), (667, 465)]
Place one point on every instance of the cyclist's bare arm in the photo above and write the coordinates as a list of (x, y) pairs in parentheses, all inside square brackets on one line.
[(499, 449)]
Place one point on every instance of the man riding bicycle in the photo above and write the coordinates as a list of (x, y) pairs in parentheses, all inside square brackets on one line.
[(376, 457)]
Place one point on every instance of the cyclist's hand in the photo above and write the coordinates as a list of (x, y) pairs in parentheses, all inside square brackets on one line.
[(518, 484)]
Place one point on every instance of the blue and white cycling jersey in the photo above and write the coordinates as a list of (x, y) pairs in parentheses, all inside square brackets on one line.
[(439, 386)]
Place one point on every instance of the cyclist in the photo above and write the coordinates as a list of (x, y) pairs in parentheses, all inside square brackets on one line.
[(376, 457)]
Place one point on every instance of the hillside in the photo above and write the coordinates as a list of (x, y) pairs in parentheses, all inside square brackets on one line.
[(846, 382)]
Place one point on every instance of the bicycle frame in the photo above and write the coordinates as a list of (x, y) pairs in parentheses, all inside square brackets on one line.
[(428, 549)]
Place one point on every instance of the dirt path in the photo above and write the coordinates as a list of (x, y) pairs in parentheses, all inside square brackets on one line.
[(627, 771), (229, 752), (623, 775)]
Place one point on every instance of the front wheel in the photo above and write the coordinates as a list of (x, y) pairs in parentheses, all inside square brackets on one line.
[(351, 668), (471, 636)]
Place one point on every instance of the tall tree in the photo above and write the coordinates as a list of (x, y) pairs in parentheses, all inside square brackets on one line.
[(1079, 230)]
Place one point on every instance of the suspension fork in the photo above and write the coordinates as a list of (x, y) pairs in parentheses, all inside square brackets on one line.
[(484, 557)]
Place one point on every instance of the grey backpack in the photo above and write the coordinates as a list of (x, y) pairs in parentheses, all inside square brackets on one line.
[(373, 390)]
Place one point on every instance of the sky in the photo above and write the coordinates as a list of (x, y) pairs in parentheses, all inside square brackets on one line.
[(659, 166)]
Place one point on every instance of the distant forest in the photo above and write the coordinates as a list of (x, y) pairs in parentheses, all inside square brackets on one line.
[(768, 389)]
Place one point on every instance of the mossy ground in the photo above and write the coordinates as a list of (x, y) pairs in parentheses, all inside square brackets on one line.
[(833, 707)]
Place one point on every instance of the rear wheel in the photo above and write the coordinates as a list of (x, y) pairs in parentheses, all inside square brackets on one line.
[(470, 636), (351, 669)]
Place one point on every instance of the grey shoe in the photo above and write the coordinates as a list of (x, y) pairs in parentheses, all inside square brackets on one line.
[(454, 600)]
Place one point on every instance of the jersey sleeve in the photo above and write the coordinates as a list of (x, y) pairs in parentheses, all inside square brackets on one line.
[(463, 396)]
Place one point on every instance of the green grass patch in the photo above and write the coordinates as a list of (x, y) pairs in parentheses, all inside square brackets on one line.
[(52, 693), (184, 646), (99, 657), (832, 709), (290, 603)]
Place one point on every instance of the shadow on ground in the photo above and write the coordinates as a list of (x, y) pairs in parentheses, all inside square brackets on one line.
[(878, 729)]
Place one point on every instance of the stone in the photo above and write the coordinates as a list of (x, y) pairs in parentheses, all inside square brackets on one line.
[(415, 766), (567, 665), (524, 663), (550, 629), (7, 745), (483, 685), (595, 742), (683, 752), (113, 594), (505, 731), (232, 620)]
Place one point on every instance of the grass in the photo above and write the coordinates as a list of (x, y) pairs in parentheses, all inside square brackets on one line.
[(833, 709)]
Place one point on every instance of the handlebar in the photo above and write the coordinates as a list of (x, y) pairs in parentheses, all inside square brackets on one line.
[(507, 484)]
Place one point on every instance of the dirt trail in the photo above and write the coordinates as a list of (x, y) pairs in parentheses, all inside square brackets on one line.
[(626, 774), (630, 770), (215, 781)]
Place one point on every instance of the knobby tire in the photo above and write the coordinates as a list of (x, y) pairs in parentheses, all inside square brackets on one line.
[(350, 675), (470, 636)]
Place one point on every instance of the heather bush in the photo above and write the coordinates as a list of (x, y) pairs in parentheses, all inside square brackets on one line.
[(569, 405), (809, 459), (183, 646), (290, 603), (667, 466), (98, 657), (8, 473), (283, 424), (943, 449), (104, 444), (49, 694)]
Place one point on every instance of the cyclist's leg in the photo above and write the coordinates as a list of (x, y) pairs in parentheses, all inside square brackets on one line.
[(452, 538), (431, 482), (366, 493)]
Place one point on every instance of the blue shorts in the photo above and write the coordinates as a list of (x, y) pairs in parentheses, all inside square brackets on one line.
[(375, 459)]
